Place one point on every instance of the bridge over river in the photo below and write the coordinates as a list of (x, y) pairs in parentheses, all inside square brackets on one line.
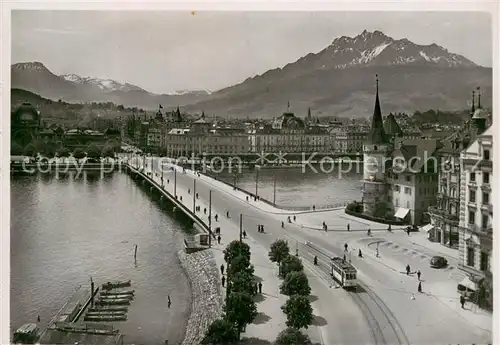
[(394, 313)]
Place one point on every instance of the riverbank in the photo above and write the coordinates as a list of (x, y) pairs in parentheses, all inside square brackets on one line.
[(206, 296)]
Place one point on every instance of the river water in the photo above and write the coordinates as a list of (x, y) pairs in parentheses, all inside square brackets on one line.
[(66, 229)]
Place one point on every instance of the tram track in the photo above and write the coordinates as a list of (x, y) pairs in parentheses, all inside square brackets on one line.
[(385, 328)]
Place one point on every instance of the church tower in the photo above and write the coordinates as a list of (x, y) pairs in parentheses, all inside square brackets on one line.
[(377, 151)]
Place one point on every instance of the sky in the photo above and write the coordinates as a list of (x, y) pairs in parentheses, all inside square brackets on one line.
[(166, 51)]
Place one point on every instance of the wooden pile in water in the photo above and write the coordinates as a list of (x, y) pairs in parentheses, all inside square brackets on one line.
[(112, 304)]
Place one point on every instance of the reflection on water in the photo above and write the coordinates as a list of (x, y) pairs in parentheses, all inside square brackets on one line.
[(66, 229), (298, 187)]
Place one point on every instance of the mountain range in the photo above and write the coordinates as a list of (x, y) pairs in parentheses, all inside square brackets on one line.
[(338, 80)]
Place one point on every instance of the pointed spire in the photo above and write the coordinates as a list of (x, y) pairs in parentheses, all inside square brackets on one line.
[(309, 113), (473, 109), (479, 97), (377, 134)]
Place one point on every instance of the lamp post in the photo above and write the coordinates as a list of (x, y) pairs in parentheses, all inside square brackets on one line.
[(256, 181), (241, 227), (194, 195), (175, 182), (274, 190)]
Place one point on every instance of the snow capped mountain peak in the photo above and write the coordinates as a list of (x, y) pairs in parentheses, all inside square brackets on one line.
[(106, 85)]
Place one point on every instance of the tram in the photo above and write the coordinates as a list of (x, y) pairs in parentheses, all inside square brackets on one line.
[(344, 273)]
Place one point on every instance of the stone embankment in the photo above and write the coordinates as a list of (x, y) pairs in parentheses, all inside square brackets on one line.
[(207, 301)]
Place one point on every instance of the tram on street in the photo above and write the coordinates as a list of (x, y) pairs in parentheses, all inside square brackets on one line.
[(344, 273)]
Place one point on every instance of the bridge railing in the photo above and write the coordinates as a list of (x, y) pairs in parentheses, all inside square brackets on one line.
[(175, 201)]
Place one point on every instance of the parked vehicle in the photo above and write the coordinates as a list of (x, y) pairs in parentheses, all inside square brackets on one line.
[(438, 262)]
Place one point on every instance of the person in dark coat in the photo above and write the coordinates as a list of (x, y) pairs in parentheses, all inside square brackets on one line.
[(244, 234), (294, 218), (462, 301), (418, 274), (315, 261), (419, 287), (407, 270), (223, 280), (360, 254), (260, 287), (348, 227), (218, 239), (345, 247), (222, 269)]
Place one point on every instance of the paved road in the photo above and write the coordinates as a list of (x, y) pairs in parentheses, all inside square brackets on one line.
[(425, 319)]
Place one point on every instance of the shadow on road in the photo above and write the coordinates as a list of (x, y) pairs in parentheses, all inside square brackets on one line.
[(319, 321), (313, 298), (259, 298)]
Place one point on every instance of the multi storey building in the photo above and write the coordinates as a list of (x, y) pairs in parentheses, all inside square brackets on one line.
[(444, 216), (348, 139), (202, 139), (476, 215), (289, 134), (400, 174)]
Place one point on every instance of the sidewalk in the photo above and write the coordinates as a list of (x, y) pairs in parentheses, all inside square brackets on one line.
[(270, 320)]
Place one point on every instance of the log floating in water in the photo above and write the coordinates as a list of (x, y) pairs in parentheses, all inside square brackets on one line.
[(112, 293), (113, 302)]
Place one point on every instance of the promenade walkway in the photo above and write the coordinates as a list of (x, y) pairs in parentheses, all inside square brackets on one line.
[(425, 319), (271, 320)]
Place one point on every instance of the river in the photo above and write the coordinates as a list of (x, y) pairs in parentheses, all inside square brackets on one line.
[(65, 230)]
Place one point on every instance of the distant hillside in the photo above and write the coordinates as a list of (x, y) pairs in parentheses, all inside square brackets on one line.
[(64, 113), (37, 78)]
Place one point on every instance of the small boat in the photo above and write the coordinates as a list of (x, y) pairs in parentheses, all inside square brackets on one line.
[(116, 284), (106, 318), (112, 293), (109, 308), (114, 302), (106, 297), (27, 334)]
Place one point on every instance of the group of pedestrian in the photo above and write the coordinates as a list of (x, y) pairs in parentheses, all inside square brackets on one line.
[(260, 228), (325, 227), (197, 208), (419, 274)]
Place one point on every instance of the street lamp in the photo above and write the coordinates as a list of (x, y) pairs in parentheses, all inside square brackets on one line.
[(210, 218)]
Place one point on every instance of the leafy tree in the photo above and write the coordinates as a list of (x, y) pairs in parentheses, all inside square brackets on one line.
[(239, 264), (30, 150), (242, 282), (295, 283), (289, 264), (79, 154), (298, 311), (292, 336), (236, 248), (63, 152), (221, 331), (279, 251), (16, 149), (241, 309), (108, 152)]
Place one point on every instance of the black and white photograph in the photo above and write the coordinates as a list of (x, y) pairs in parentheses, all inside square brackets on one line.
[(191, 174)]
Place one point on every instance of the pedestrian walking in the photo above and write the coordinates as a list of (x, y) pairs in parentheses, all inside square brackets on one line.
[(189, 191), (408, 231), (315, 261), (260, 287), (169, 301), (218, 239), (216, 218), (38, 318), (348, 227), (462, 301), (326, 227), (294, 218), (244, 234), (314, 207), (389, 228), (419, 287), (247, 198), (205, 210), (222, 269), (168, 181), (223, 280), (418, 274), (345, 247), (359, 253), (261, 228), (227, 214), (407, 270)]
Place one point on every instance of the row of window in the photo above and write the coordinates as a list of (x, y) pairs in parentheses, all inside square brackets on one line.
[(486, 177), (471, 259), (484, 218)]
